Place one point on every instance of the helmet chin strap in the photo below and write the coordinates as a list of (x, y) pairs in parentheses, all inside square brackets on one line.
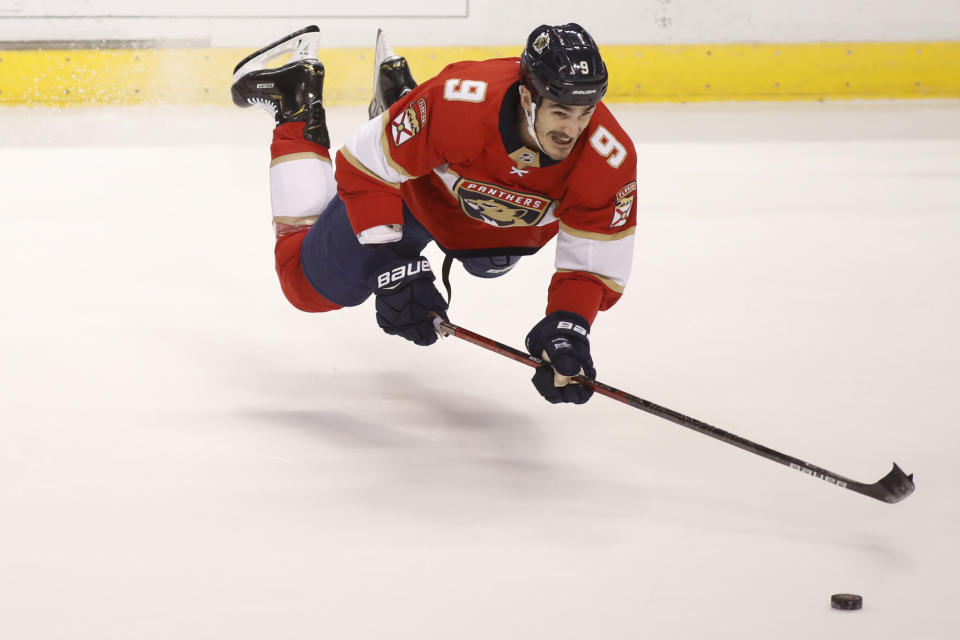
[(531, 119)]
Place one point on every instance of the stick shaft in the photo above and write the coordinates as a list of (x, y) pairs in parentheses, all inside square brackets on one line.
[(896, 485)]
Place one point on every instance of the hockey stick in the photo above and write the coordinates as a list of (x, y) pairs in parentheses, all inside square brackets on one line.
[(893, 487)]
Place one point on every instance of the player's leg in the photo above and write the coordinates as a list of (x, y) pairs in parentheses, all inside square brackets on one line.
[(301, 174), (391, 77), (338, 266)]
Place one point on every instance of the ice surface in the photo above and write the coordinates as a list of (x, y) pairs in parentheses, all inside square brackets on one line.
[(184, 455)]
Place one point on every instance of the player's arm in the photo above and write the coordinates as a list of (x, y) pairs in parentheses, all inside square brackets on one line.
[(388, 150), (597, 225), (398, 145), (593, 261)]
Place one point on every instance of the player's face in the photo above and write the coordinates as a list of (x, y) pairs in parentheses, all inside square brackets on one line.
[(558, 126)]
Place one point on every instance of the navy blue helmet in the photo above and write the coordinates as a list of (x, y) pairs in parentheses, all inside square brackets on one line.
[(563, 64)]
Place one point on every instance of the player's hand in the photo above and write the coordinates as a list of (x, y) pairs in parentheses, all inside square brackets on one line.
[(561, 339), (406, 297)]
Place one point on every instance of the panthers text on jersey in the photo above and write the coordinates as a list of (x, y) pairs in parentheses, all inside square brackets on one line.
[(450, 151)]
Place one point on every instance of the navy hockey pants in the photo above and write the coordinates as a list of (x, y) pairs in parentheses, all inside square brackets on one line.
[(334, 261)]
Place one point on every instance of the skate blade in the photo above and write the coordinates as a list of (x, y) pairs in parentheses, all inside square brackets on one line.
[(301, 45), (383, 53)]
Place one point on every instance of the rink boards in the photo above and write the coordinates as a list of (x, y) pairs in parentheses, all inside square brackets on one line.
[(129, 73)]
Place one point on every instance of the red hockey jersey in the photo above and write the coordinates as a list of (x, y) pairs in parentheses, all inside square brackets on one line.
[(450, 151)]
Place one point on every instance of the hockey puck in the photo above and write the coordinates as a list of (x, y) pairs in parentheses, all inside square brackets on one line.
[(846, 601)]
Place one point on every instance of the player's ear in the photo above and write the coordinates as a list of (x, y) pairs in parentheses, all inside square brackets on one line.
[(526, 98)]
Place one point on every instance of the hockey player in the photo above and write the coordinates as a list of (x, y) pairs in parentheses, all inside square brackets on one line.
[(488, 159)]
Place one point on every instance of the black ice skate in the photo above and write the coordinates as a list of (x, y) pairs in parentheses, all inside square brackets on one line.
[(391, 77), (292, 92)]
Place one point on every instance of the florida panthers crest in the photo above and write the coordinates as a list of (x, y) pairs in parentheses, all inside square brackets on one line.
[(498, 206)]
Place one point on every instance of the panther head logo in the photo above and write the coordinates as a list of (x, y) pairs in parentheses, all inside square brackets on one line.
[(497, 212)]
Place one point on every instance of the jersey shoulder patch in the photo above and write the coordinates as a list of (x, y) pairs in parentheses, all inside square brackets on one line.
[(409, 121), (624, 204)]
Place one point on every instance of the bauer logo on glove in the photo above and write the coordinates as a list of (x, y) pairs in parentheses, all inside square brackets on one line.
[(390, 279)]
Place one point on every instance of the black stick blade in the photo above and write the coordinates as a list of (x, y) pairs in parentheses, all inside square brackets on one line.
[(891, 488)]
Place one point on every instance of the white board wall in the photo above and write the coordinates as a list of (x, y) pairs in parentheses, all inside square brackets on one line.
[(480, 22)]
